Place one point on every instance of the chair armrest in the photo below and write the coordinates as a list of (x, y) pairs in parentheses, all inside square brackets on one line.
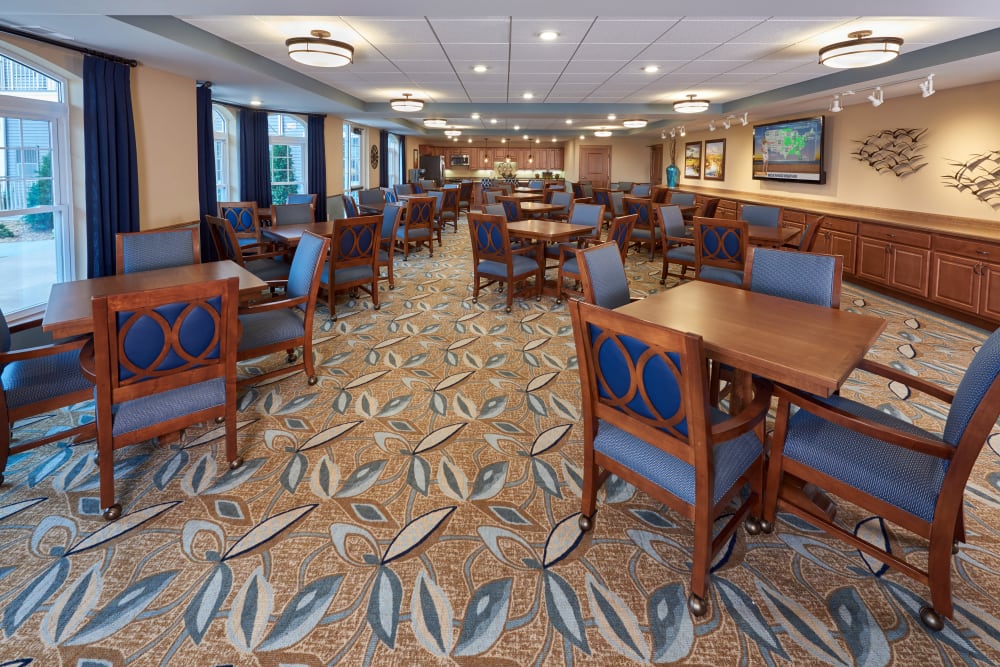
[(751, 415), (40, 351), (277, 304), (680, 240), (845, 419), (524, 250), (910, 381)]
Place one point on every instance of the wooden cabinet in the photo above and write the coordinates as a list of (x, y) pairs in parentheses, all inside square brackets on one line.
[(794, 220), (898, 258), (837, 237), (727, 209), (966, 276)]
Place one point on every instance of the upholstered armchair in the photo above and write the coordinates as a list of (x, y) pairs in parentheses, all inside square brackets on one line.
[(494, 261), (353, 259), (156, 249)]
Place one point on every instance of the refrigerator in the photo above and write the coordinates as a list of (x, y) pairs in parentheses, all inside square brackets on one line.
[(433, 167)]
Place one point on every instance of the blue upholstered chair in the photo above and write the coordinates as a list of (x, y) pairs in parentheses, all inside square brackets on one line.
[(602, 196), (350, 207), (494, 261), (681, 198), (390, 195), (564, 200), (495, 209), (890, 467), (242, 216), (304, 198), (490, 196), (438, 197), (264, 265), (403, 189), (602, 277), (426, 184), (335, 207), (625, 186), (465, 193), (448, 209), (156, 249), (353, 262), (536, 184), (756, 214), (678, 247), (617, 202), (164, 359), (806, 240), (577, 190), (292, 214), (640, 190), (646, 230), (647, 420), (286, 323), (720, 250), (800, 276), (391, 215), (591, 215), (370, 201), (34, 381), (417, 226), (511, 207)]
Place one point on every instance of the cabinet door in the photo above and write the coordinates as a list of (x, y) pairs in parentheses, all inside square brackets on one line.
[(823, 243), (910, 268), (956, 282), (845, 245), (557, 159), (873, 259), (989, 275)]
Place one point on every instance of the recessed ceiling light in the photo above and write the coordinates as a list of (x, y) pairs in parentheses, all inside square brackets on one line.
[(255, 103), (553, 140), (475, 116), (582, 137), (493, 121), (517, 127), (525, 137), (611, 116), (548, 35), (528, 96), (538, 141), (651, 69), (569, 121), (504, 140), (470, 140), (452, 133), (479, 69)]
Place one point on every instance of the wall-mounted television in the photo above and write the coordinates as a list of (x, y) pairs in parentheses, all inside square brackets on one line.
[(789, 150)]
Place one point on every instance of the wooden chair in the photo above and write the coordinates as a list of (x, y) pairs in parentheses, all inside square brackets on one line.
[(602, 279), (602, 197), (640, 190), (708, 208), (350, 207), (262, 264), (162, 359), (646, 231), (353, 262), (808, 236), (242, 216), (335, 208), (677, 247), (591, 215), (661, 436), (417, 226), (391, 215), (304, 198), (757, 214), (889, 467), (659, 194), (370, 201), (465, 191), (494, 261), (36, 380), (292, 214), (490, 195), (285, 321), (681, 198), (403, 189), (156, 249), (448, 213), (511, 207), (563, 199), (720, 250)]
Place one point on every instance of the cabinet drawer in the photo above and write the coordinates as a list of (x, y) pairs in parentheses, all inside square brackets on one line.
[(840, 225), (797, 217), (967, 248), (896, 235)]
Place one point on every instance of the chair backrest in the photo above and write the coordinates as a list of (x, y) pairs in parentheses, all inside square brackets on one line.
[(642, 208), (681, 198), (403, 189), (355, 243), (756, 214), (602, 275), (227, 244), (511, 207), (306, 268), (350, 207), (390, 195), (790, 274), (536, 184), (617, 202), (428, 183), (562, 198), (449, 201), (720, 243), (156, 249), (588, 189), (620, 232), (371, 196), (672, 221), (242, 215), (587, 214), (438, 197), (491, 196), (709, 207), (603, 197), (335, 207), (808, 237), (490, 240), (292, 214), (659, 194), (303, 198), (625, 186), (465, 192), (391, 215), (640, 190), (970, 407), (419, 212), (4, 335), (495, 209), (577, 189)]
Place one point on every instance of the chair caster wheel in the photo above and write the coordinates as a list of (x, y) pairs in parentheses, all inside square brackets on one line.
[(475, 300), (538, 298), (697, 605), (585, 523), (766, 526), (312, 380), (113, 512), (931, 619), (392, 287), (507, 309), (378, 307), (221, 419), (752, 526), (291, 358), (662, 281), (236, 463), (954, 545)]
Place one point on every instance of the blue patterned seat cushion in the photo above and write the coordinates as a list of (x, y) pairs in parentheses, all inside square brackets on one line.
[(272, 326), (571, 266), (521, 264), (643, 233), (721, 275), (268, 269), (133, 415), (731, 458), (683, 253), (417, 234), (349, 274), (33, 380), (904, 478)]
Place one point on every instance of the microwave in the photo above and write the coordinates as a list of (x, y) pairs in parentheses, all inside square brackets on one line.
[(459, 160)]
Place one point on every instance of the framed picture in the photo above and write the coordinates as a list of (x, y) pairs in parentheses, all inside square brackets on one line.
[(715, 160), (692, 159)]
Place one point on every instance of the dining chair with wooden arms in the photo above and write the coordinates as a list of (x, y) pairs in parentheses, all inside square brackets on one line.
[(490, 196), (511, 207), (37, 380), (243, 217), (163, 360), (448, 213), (292, 214), (760, 214), (156, 249), (677, 247), (285, 322), (495, 261), (351, 209), (353, 261), (646, 230), (659, 194), (304, 198), (370, 201), (708, 207), (600, 271), (647, 420), (591, 215), (264, 265), (720, 250), (438, 197), (335, 208), (891, 469), (465, 192), (417, 226), (602, 197), (681, 198), (807, 238), (640, 190), (391, 215), (562, 199), (403, 189)]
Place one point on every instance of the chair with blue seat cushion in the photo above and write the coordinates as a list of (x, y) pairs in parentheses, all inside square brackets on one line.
[(600, 270), (427, 184), (417, 226), (720, 250), (806, 240), (390, 195), (495, 261), (265, 265), (243, 217), (677, 246), (536, 184), (465, 194), (617, 202), (351, 209), (438, 197), (625, 186), (335, 207), (403, 189), (707, 207), (756, 214), (647, 420), (602, 196), (370, 201), (511, 207), (156, 249), (35, 381), (163, 359), (562, 199), (646, 230), (640, 190), (591, 215), (391, 215), (681, 198), (448, 210), (889, 467), (304, 198), (577, 190), (490, 195), (659, 193), (285, 322), (588, 189), (800, 276), (353, 262), (292, 214)]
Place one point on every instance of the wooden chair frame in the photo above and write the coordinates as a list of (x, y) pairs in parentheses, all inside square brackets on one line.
[(669, 242), (711, 236), (418, 214), (646, 221), (356, 243), (496, 247), (244, 219)]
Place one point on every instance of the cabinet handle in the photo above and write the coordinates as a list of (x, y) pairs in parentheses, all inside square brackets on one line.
[(978, 269), (984, 253), (891, 236)]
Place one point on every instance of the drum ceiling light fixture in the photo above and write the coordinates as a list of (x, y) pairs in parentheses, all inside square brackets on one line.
[(318, 51), (861, 50), (691, 105), (435, 122), (407, 103)]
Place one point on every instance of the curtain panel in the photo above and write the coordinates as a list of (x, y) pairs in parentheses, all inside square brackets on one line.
[(255, 158), (316, 151), (383, 164), (207, 201)]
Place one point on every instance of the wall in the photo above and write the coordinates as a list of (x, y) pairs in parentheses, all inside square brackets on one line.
[(333, 139), (961, 122)]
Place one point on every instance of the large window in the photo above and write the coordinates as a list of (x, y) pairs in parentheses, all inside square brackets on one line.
[(395, 160), (354, 175), (288, 156), (219, 129), (36, 230)]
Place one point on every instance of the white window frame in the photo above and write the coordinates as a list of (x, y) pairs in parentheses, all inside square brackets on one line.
[(281, 139), (230, 153), (362, 172), (395, 147)]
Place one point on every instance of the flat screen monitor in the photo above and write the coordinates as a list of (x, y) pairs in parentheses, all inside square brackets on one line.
[(789, 150)]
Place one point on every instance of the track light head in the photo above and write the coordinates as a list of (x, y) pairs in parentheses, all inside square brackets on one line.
[(927, 87), (744, 119), (728, 122), (876, 98), (711, 126), (835, 107), (682, 131)]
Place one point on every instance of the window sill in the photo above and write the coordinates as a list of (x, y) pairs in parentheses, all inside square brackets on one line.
[(26, 319)]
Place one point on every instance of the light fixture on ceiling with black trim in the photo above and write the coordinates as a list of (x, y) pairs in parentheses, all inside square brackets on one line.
[(318, 51), (691, 105), (861, 50), (407, 103), (435, 122)]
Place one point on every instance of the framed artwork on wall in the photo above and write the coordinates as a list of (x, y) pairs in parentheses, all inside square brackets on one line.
[(715, 160), (692, 159)]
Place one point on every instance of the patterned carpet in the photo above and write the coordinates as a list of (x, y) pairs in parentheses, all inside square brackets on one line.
[(419, 506)]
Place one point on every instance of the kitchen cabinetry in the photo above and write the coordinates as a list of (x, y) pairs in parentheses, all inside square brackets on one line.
[(966, 275), (897, 258), (837, 237)]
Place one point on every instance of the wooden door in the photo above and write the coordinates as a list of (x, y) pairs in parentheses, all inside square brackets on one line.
[(595, 165), (656, 164)]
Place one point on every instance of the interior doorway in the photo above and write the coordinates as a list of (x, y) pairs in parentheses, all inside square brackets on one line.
[(656, 164), (595, 165)]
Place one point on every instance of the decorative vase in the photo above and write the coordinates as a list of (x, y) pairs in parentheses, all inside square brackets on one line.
[(673, 176)]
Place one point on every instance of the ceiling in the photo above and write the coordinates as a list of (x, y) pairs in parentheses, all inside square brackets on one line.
[(762, 63)]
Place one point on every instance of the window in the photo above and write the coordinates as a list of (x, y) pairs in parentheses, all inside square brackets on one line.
[(354, 175), (36, 226), (221, 155), (288, 156), (395, 159)]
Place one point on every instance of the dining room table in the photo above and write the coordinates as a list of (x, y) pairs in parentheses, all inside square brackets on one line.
[(68, 311), (540, 208), (290, 235), (534, 195), (544, 231)]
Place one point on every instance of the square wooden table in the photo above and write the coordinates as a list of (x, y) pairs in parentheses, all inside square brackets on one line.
[(290, 235), (539, 208), (68, 312), (534, 195), (547, 231)]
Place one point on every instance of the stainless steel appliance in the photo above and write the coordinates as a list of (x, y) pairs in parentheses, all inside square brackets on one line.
[(433, 166), (459, 160)]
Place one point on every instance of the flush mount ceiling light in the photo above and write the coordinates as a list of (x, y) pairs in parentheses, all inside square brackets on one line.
[(548, 35), (435, 122), (452, 133), (318, 51), (651, 69), (407, 103), (479, 69), (636, 122), (691, 105), (861, 50), (602, 133)]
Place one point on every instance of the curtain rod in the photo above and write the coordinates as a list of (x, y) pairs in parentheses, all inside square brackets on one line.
[(72, 47)]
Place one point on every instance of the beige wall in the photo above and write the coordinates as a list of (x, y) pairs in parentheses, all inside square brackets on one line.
[(960, 122), (333, 139)]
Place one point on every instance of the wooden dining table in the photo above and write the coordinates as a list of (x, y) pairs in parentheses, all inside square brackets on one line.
[(547, 231), (534, 195), (68, 312), (539, 208), (290, 235)]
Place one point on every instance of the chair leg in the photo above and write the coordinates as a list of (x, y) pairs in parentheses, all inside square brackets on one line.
[(701, 561), (106, 478), (591, 482), (5, 438), (939, 581)]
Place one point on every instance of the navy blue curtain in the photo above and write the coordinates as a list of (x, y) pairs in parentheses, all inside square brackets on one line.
[(112, 177), (255, 158), (207, 202), (402, 158), (383, 164), (316, 151)]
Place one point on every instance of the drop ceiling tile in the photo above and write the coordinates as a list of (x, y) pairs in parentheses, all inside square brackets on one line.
[(542, 51), (733, 51), (618, 53), (537, 66), (665, 51), (710, 66), (714, 30), (411, 51), (381, 30), (604, 67), (628, 31), (782, 31), (571, 31), (478, 52), (472, 31), (419, 67)]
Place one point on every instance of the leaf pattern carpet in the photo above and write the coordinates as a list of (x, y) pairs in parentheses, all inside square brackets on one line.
[(419, 505)]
